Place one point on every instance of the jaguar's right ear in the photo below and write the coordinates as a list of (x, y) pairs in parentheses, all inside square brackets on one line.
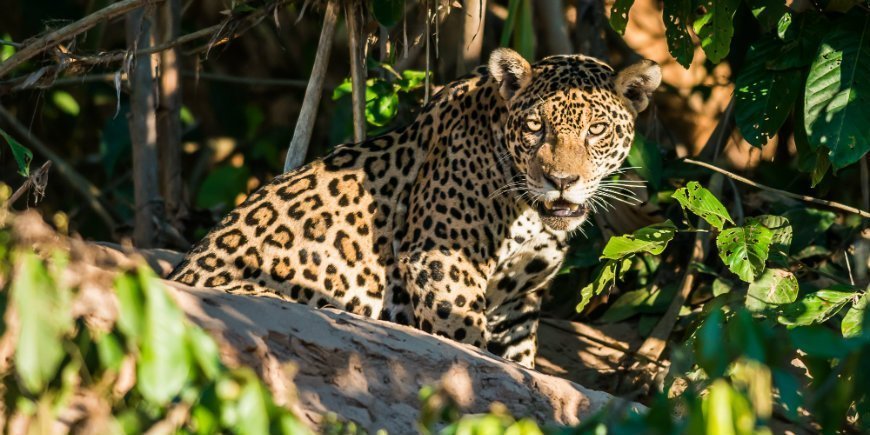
[(510, 70)]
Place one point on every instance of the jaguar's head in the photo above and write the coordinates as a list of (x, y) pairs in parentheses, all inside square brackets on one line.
[(570, 123)]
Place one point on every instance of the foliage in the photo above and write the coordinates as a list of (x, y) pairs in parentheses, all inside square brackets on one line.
[(819, 55), (150, 363)]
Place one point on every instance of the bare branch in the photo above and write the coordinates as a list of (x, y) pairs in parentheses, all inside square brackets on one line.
[(805, 198), (308, 114), (46, 42), (36, 180), (353, 15)]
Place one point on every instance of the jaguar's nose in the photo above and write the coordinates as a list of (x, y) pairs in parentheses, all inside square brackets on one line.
[(561, 183)]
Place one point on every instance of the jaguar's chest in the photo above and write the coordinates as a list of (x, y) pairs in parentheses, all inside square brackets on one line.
[(526, 260)]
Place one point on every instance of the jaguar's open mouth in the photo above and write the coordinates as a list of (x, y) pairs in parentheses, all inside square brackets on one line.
[(561, 208)]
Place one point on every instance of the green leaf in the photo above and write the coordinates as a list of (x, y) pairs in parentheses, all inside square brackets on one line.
[(641, 301), (744, 249), (836, 104), (853, 321), (646, 158), (22, 155), (619, 15), (801, 36), (782, 235), (388, 12), (652, 239), (411, 80), (708, 345), (345, 88), (604, 279), (131, 307), (205, 352), (809, 225), (678, 16), (164, 362), (769, 13), (773, 287), (816, 307), (252, 408), (110, 351), (716, 28), (764, 98), (703, 203), (66, 103), (44, 319), (382, 103), (819, 341)]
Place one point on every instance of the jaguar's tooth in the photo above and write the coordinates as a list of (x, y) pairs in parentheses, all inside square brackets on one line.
[(548, 204), (573, 206)]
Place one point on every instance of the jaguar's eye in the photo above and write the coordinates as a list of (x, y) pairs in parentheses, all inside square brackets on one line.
[(533, 124), (597, 128)]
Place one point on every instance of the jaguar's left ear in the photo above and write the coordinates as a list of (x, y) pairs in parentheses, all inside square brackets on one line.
[(637, 83)]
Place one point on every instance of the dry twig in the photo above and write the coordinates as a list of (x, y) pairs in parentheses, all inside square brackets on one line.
[(37, 180), (52, 39)]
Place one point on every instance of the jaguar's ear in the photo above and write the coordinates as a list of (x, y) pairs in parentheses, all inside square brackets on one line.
[(510, 70), (637, 83)]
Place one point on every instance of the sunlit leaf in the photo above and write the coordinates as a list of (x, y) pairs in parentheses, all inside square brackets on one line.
[(652, 239), (44, 318), (744, 249), (773, 287), (782, 235), (604, 279), (703, 203), (678, 15), (769, 12), (764, 98), (853, 321), (716, 27), (837, 102), (619, 15), (817, 307), (66, 103)]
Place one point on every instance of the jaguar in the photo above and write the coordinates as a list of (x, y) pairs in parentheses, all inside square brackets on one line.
[(453, 224)]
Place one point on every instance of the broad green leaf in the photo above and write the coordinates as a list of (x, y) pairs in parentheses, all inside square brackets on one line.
[(44, 319), (66, 103), (619, 15), (819, 341), (252, 409), (678, 16), (22, 155), (131, 307), (852, 325), (788, 387), (764, 98), (411, 80), (808, 225), (716, 27), (164, 362), (708, 345), (603, 281), (703, 203), (782, 235), (388, 12), (744, 249), (110, 351), (801, 36), (836, 104), (646, 158), (652, 239), (816, 307), (6, 51), (726, 411), (345, 88), (641, 301), (205, 351), (773, 287)]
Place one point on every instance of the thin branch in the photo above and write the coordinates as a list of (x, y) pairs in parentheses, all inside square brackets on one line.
[(805, 198), (36, 180), (353, 15), (313, 92), (10, 43), (77, 182), (71, 30), (215, 77)]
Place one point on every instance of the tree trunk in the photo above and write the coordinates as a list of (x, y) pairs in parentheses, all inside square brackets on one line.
[(354, 14), (143, 132), (474, 15)]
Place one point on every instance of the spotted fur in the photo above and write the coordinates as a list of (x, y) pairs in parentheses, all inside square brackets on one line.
[(454, 223)]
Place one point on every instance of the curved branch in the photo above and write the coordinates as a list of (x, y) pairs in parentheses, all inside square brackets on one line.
[(805, 198)]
